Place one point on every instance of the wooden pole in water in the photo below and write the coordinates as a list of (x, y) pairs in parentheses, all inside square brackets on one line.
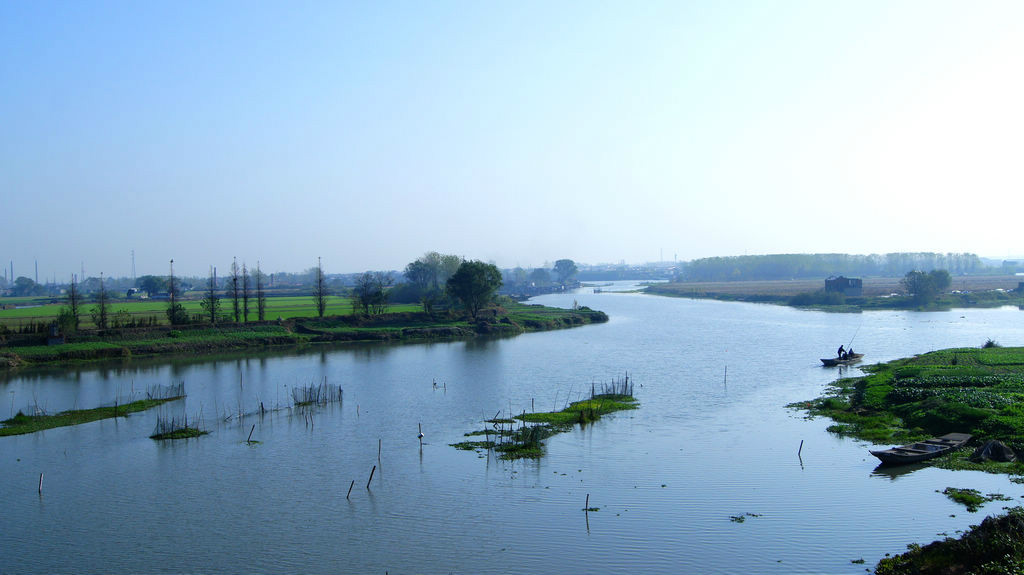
[(40, 483), (420, 436), (586, 506), (378, 449), (801, 448), (371, 476), (350, 488), (249, 440)]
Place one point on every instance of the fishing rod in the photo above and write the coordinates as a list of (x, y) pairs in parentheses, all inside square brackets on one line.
[(855, 332)]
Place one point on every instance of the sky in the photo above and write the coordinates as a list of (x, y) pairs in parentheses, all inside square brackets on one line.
[(519, 133)]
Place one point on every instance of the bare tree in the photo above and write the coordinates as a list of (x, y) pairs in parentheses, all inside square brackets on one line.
[(370, 294), (245, 293), (235, 290), (69, 317), (261, 298), (211, 301), (175, 311), (319, 289)]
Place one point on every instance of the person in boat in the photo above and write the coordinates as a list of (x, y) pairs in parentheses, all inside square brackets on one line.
[(849, 353), (841, 352)]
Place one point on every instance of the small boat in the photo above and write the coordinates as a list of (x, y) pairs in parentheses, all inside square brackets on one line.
[(849, 359), (922, 450)]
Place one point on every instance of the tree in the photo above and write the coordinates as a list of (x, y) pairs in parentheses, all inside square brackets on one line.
[(245, 293), (925, 287), (320, 290), (474, 284), (69, 317), (565, 270), (24, 286), (211, 301), (100, 312), (261, 297), (540, 277), (423, 277), (152, 285), (175, 311), (370, 294), (235, 287)]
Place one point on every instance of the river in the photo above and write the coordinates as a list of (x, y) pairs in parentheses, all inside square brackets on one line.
[(712, 440)]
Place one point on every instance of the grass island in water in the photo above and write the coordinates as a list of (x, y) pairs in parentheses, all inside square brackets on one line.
[(527, 440)]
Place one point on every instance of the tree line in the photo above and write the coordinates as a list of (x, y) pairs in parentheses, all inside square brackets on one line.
[(438, 282), (815, 266)]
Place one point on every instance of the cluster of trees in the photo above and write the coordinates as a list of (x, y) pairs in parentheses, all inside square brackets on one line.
[(443, 280), (563, 273), (242, 289), (434, 280), (101, 313), (24, 286), (924, 287), (812, 266)]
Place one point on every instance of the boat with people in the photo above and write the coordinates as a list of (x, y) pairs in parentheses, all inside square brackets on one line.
[(847, 359), (922, 450)]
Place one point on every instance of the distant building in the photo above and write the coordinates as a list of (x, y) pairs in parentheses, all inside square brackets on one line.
[(844, 285)]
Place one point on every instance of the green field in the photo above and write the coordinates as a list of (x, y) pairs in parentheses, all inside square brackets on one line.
[(295, 327), (280, 307)]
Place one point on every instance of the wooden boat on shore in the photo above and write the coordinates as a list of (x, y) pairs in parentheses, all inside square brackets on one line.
[(848, 360), (922, 450)]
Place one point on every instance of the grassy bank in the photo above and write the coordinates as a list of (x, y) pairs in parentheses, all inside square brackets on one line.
[(527, 440), (21, 424), (994, 546), (971, 390), (90, 345)]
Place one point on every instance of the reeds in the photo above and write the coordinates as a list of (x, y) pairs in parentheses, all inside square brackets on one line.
[(317, 394)]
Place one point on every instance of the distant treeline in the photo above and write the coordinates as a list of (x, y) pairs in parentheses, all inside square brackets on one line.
[(811, 266)]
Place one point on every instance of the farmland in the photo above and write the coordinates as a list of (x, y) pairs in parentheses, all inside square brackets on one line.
[(18, 312), (296, 327), (878, 292)]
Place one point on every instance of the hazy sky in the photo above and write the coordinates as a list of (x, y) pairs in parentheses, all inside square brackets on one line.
[(514, 132)]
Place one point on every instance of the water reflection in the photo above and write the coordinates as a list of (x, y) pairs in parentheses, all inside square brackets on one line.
[(704, 445), (894, 472)]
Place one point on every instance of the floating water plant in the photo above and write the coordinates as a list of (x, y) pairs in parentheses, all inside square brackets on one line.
[(972, 499), (527, 441), (743, 517)]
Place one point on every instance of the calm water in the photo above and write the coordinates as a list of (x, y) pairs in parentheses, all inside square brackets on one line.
[(711, 440)]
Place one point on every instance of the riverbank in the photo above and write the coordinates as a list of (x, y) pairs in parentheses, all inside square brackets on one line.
[(510, 319), (969, 390), (877, 293)]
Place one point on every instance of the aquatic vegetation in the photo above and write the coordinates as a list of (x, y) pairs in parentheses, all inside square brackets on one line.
[(317, 394), (21, 424), (972, 498), (742, 517), (183, 433), (527, 441), (170, 427)]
